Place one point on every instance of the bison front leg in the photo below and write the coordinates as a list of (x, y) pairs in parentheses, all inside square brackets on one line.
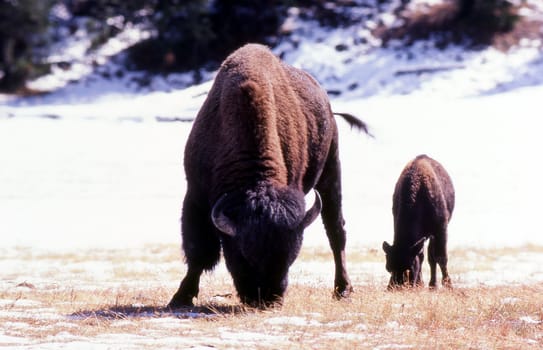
[(188, 289), (201, 246), (329, 187)]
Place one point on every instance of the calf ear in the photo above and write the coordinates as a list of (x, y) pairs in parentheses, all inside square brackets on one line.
[(221, 221), (386, 247), (313, 212)]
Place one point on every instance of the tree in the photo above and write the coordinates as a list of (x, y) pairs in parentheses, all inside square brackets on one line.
[(476, 23), (495, 14), (182, 36), (21, 23), (196, 33)]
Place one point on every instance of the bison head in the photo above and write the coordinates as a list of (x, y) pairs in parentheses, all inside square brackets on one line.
[(404, 264), (262, 235)]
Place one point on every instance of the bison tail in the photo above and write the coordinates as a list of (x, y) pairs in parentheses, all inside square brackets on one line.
[(354, 122)]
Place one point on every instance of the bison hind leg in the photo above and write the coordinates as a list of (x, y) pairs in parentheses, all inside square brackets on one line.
[(329, 186), (432, 262)]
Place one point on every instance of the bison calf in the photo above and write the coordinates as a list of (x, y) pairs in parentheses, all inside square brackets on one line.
[(264, 137), (423, 203)]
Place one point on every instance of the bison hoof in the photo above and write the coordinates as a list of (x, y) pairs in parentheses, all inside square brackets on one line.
[(343, 293), (180, 301), (393, 287), (447, 283)]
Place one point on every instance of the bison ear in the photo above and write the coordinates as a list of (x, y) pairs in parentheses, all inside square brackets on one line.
[(386, 247), (313, 212), (221, 221)]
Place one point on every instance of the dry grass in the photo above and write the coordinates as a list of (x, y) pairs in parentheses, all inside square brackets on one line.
[(59, 300)]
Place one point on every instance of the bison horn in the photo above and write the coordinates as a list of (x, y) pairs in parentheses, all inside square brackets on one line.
[(221, 221), (416, 248), (313, 212)]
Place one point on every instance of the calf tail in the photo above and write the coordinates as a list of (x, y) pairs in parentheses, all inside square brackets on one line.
[(354, 122)]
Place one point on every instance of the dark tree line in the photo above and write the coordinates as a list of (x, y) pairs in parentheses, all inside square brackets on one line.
[(472, 22), (205, 32), (22, 24), (189, 34)]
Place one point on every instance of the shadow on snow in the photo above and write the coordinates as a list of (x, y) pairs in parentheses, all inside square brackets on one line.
[(119, 312)]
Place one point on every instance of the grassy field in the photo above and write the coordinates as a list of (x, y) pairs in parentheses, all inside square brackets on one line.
[(103, 299)]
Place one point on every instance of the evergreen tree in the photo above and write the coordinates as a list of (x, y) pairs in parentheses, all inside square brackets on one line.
[(21, 23), (495, 14)]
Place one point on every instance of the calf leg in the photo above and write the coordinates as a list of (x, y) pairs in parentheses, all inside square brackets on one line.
[(432, 262), (418, 272), (201, 245), (329, 187), (440, 257)]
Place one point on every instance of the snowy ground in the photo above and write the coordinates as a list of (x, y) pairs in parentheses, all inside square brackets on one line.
[(108, 170)]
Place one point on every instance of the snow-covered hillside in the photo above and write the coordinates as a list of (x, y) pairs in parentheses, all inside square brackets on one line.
[(349, 61)]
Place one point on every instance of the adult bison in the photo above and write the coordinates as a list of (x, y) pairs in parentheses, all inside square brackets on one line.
[(264, 137), (423, 203)]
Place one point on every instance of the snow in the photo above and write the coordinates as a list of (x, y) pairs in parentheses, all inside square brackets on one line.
[(458, 73), (229, 336), (295, 321), (84, 183), (76, 48), (529, 320)]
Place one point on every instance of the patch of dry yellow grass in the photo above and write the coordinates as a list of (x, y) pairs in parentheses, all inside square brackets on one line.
[(125, 306)]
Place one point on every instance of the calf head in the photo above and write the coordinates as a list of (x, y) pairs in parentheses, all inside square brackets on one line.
[(262, 235), (404, 264)]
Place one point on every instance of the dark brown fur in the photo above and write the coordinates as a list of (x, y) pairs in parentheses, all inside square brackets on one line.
[(263, 138), (423, 203)]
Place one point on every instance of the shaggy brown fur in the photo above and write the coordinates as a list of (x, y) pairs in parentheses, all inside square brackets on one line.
[(264, 137), (423, 203)]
